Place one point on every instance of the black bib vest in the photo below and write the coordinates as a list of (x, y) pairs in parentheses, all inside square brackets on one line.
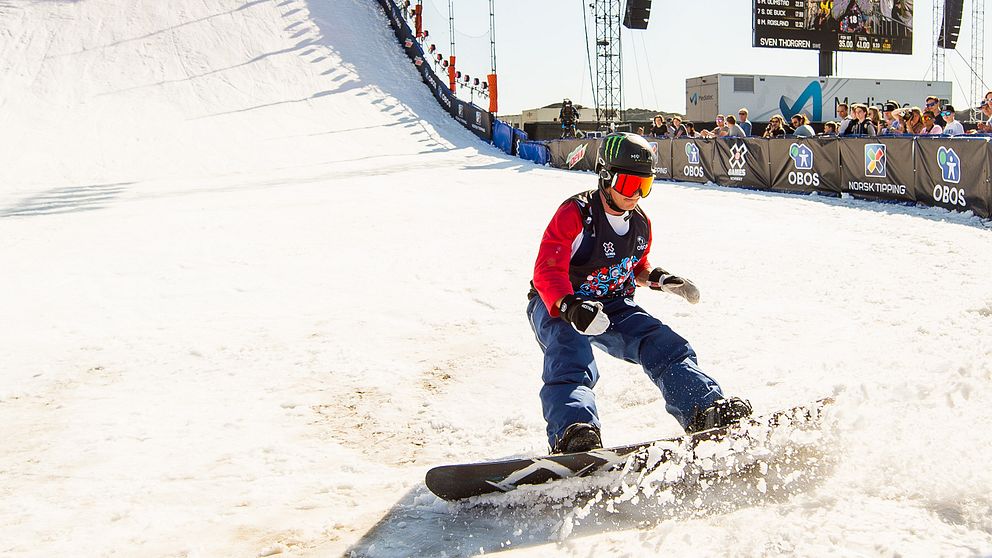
[(603, 264)]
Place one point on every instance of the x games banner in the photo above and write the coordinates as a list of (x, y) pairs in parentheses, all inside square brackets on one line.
[(741, 162)]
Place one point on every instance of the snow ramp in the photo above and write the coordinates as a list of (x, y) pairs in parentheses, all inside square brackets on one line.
[(103, 91)]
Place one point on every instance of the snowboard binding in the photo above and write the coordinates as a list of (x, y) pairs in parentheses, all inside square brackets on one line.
[(578, 437), (722, 412)]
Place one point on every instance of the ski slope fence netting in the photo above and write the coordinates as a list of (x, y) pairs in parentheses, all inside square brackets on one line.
[(948, 172)]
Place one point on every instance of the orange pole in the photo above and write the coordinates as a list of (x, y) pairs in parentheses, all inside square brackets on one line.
[(451, 73), (491, 78), (418, 20)]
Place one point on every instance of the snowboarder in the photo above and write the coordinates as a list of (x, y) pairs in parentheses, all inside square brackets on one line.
[(592, 256)]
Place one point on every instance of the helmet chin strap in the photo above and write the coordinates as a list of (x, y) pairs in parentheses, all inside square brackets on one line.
[(604, 186)]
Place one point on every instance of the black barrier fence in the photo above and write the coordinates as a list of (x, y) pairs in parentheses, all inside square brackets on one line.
[(804, 165), (878, 169), (953, 173), (574, 154), (476, 119), (692, 159)]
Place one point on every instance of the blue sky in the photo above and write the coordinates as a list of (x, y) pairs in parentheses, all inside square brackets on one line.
[(541, 53)]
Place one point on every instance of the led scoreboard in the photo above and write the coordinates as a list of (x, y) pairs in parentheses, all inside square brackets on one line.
[(883, 26)]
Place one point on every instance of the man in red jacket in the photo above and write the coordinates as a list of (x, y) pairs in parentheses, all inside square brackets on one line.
[(593, 255)]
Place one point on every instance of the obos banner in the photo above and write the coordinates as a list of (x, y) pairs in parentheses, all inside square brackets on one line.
[(574, 154), (804, 164), (878, 168), (692, 159), (953, 173), (741, 162)]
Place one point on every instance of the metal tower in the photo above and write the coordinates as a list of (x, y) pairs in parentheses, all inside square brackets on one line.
[(609, 72), (977, 55), (938, 53)]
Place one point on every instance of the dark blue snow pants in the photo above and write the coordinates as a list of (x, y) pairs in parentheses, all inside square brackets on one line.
[(635, 336)]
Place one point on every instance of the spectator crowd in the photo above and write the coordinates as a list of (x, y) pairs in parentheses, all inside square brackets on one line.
[(856, 119)]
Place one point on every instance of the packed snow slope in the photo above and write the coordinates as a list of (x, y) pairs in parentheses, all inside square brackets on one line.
[(255, 283)]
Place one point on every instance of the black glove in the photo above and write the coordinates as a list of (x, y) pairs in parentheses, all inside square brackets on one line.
[(661, 280), (586, 316)]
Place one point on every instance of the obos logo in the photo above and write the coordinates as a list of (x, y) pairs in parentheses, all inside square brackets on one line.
[(692, 152), (692, 169), (875, 160), (442, 95), (802, 160), (738, 159), (950, 171)]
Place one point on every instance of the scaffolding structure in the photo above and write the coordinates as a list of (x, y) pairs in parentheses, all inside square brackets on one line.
[(977, 56), (937, 64), (607, 15)]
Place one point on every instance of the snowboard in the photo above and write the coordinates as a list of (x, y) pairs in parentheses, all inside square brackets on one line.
[(456, 482)]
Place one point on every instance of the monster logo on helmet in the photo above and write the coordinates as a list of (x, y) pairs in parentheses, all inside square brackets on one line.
[(622, 153)]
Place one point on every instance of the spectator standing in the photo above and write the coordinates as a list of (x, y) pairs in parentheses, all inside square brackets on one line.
[(678, 130), (733, 128), (930, 126), (658, 127), (952, 126), (912, 121), (802, 127), (829, 129), (875, 115), (933, 107), (719, 127), (775, 128), (744, 123), (860, 126), (690, 130), (986, 108), (845, 121), (892, 124)]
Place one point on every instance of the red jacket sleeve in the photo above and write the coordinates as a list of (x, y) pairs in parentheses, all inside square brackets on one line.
[(551, 269)]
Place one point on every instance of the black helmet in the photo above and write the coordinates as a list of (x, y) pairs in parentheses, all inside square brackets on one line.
[(625, 152), (622, 152)]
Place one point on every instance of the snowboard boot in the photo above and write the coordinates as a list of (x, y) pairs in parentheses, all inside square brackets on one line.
[(721, 413), (578, 437)]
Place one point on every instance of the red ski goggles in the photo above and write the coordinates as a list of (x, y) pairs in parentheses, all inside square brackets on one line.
[(628, 184)]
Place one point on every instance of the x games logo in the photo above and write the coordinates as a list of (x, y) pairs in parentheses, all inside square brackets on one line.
[(738, 154)]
